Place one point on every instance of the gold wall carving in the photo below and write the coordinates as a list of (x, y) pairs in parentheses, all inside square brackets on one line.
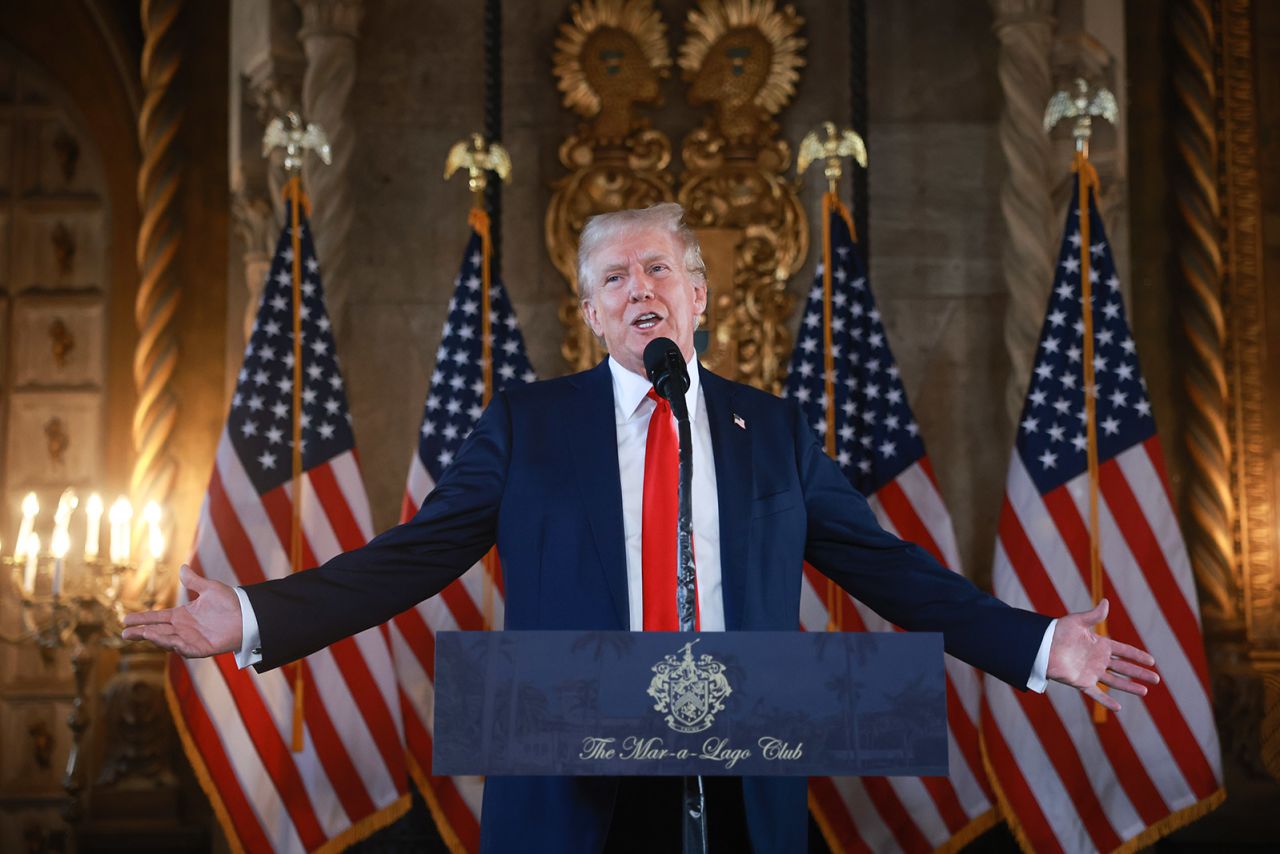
[(1246, 310), (64, 248), (1246, 359), (67, 150), (740, 59), (61, 342), (610, 56), (57, 440), (1229, 512)]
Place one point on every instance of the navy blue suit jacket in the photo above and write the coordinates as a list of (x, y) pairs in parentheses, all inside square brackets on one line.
[(539, 476)]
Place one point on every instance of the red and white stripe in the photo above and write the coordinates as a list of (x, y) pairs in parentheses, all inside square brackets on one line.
[(1067, 783), (906, 813), (237, 724), (454, 801)]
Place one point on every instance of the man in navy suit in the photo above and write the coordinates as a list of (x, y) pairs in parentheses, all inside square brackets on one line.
[(554, 475)]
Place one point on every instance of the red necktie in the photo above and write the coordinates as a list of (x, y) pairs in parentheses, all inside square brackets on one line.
[(658, 549)]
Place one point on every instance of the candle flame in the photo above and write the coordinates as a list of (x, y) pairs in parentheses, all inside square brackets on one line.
[(30, 506)]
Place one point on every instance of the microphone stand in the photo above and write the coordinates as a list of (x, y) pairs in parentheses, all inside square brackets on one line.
[(694, 803)]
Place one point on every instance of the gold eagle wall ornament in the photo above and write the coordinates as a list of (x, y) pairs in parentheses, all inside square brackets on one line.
[(742, 58), (610, 56)]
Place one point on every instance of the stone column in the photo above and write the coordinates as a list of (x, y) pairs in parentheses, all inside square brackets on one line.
[(328, 35), (267, 60), (1025, 30)]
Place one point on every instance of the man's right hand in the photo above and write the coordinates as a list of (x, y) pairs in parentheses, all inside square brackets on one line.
[(207, 625)]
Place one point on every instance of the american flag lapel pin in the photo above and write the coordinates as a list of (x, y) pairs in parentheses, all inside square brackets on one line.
[(740, 421)]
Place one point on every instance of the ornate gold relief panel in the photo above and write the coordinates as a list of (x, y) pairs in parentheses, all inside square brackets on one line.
[(611, 55), (741, 60)]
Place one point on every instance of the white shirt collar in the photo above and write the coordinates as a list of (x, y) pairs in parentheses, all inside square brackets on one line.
[(630, 388)]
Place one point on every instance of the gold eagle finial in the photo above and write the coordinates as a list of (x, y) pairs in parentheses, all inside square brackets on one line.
[(290, 134), (1081, 104), (478, 158), (836, 145)]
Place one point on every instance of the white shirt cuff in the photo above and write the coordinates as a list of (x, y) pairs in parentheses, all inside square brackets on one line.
[(1039, 679), (250, 652)]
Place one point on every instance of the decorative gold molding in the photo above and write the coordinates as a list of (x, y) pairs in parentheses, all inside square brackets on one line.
[(1251, 485), (610, 56), (57, 440), (61, 342), (1208, 505), (741, 57), (64, 248)]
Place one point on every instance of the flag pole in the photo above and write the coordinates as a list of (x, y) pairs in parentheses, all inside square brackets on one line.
[(1086, 179), (836, 145), (1082, 105), (296, 140), (479, 158)]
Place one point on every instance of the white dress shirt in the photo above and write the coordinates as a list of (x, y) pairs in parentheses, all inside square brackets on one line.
[(631, 412), (631, 409)]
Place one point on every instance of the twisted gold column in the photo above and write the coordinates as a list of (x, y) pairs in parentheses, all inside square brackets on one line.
[(156, 355), (1207, 497), (1025, 30)]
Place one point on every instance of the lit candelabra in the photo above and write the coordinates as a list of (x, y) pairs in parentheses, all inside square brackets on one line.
[(75, 600)]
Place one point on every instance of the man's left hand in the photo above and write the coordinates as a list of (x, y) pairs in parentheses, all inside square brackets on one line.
[(1081, 658)]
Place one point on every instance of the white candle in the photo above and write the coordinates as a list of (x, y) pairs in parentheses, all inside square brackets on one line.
[(32, 550), (93, 520), (30, 507), (60, 543), (59, 546), (119, 516), (155, 543)]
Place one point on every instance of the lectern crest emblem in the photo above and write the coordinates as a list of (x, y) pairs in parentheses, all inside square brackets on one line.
[(690, 691)]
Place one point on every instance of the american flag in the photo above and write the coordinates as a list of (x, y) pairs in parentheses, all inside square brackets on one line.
[(454, 403), (236, 725), (1065, 782), (878, 446)]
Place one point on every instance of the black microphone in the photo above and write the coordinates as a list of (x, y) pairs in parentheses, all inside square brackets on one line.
[(665, 367)]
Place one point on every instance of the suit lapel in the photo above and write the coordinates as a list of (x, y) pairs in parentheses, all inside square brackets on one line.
[(731, 446), (599, 482)]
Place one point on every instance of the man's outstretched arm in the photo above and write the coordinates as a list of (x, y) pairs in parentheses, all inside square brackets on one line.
[(907, 586), (306, 611)]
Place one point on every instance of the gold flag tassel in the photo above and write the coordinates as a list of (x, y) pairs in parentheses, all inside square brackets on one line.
[(479, 221), (1084, 104), (835, 601), (296, 200), (1086, 182), (479, 158)]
